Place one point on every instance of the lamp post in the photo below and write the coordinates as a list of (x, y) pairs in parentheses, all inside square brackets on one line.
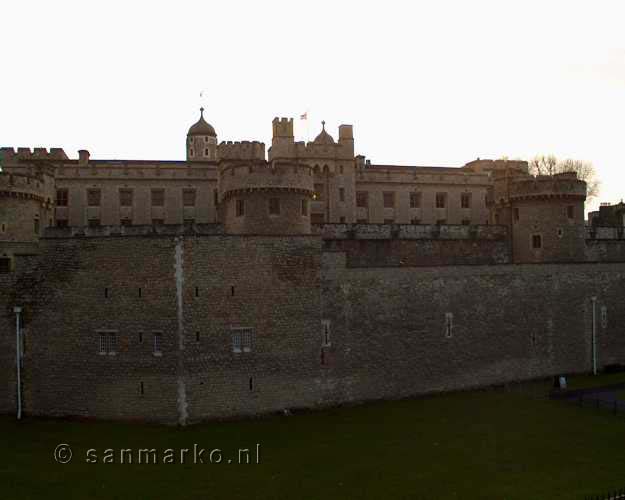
[(18, 357), (594, 335)]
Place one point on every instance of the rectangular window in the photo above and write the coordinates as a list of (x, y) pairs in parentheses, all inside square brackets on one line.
[(62, 197), (465, 200), (158, 197), (362, 199), (93, 222), (389, 200), (274, 206), (108, 342), (441, 222), (537, 241), (236, 341), (389, 221), (325, 333), (341, 194), (125, 222), (305, 208), (466, 222), (5, 265), (240, 208), (570, 212), (158, 222), (341, 169), (242, 339), (415, 200), (36, 226), (188, 222), (215, 197), (441, 200), (415, 221), (517, 214), (61, 223), (156, 346), (125, 197), (361, 221), (342, 219), (318, 194), (188, 197), (94, 197)]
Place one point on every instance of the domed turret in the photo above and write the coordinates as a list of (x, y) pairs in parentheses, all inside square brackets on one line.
[(324, 137), (201, 141)]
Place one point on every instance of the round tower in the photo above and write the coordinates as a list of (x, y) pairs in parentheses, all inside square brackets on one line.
[(257, 197), (201, 141), (26, 208), (545, 215)]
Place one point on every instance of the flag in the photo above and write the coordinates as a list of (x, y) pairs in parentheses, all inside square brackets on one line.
[(304, 116)]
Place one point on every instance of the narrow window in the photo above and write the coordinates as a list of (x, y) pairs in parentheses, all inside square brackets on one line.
[(325, 333), (197, 336), (215, 197), (517, 214), (341, 194), (106, 293), (449, 324), (570, 212), (389, 199), (341, 169), (206, 152), (141, 388), (103, 343), (236, 341), (3, 228), (140, 293), (61, 197), (5, 265), (465, 200), (537, 241), (240, 208), (304, 208), (274, 206), (157, 344), (197, 291), (140, 337), (232, 291), (246, 340), (441, 200), (251, 383), (604, 317), (415, 200), (36, 226)]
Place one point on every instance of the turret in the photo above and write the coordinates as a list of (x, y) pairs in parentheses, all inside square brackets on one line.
[(201, 141)]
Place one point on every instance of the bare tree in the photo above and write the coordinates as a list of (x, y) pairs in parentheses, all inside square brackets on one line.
[(585, 170)]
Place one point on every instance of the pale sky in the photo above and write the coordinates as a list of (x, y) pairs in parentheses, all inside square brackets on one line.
[(423, 83)]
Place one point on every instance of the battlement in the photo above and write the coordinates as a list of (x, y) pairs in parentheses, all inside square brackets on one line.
[(241, 150), (560, 185), (498, 167), (282, 127), (22, 185), (9, 154), (410, 232), (264, 176)]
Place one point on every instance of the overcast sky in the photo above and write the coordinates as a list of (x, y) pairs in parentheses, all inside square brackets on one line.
[(425, 83)]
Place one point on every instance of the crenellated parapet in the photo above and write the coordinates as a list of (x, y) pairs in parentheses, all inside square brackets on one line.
[(565, 185), (243, 150), (25, 186), (10, 155)]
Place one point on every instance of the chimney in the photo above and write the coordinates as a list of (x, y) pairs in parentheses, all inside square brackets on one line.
[(83, 157)]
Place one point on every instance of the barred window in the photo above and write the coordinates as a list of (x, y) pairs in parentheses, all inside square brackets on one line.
[(94, 197), (188, 197), (242, 339), (108, 342), (449, 324), (156, 348), (125, 197), (62, 197), (158, 197), (325, 333)]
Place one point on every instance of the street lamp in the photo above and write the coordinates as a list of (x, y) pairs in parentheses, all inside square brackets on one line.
[(18, 357)]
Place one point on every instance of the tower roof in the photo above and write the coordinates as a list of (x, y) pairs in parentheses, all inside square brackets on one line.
[(202, 127), (324, 137)]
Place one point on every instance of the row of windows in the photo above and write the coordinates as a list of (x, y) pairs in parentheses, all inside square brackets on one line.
[(108, 343), (126, 197), (415, 199), (273, 207), (320, 219), (126, 221)]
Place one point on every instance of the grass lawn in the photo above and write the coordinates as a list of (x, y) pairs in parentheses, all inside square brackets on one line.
[(499, 444)]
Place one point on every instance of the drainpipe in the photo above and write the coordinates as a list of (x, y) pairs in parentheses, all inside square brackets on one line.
[(594, 335), (18, 360)]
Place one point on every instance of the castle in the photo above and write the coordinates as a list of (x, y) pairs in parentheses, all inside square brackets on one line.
[(241, 282)]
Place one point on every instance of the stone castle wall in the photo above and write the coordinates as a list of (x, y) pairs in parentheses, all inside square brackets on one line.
[(388, 327)]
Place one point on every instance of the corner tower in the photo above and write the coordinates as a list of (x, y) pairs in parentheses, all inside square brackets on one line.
[(201, 141)]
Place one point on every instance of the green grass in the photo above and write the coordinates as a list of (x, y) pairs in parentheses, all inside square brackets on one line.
[(588, 381), (499, 444)]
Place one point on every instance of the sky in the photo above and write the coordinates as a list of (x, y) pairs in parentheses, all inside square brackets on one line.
[(423, 83)]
